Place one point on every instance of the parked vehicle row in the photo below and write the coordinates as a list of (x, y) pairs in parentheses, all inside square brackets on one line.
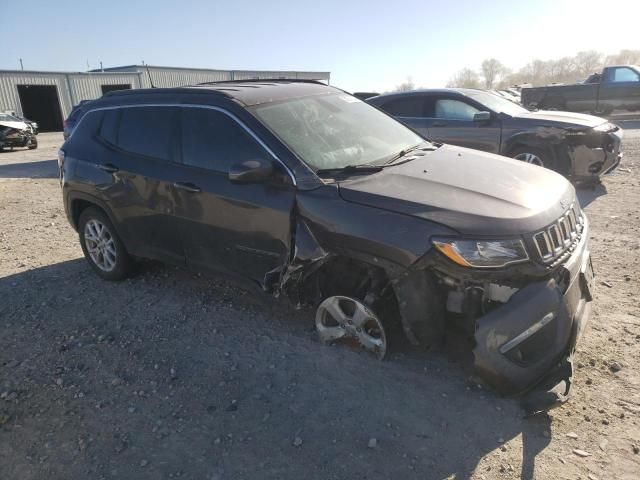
[(616, 88), (308, 192), (15, 133), (580, 147)]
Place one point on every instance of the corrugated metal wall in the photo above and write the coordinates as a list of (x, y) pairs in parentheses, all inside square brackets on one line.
[(170, 77), (88, 87), (9, 99), (73, 87)]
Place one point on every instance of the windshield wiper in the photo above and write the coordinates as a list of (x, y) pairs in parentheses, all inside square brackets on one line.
[(365, 167), (406, 151)]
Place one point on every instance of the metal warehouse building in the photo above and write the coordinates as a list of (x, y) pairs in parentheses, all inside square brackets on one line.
[(48, 97)]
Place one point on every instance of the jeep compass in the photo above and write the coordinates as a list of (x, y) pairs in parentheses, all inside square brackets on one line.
[(310, 193)]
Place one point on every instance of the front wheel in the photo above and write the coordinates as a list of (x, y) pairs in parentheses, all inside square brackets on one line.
[(102, 246), (350, 320), (533, 156)]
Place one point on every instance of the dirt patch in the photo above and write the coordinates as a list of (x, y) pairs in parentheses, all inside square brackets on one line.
[(173, 375)]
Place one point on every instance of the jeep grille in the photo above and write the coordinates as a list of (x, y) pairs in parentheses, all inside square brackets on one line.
[(559, 237)]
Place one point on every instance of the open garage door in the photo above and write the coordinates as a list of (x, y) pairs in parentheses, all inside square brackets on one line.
[(41, 104)]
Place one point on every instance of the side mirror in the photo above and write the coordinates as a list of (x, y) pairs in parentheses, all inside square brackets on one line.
[(251, 171), (482, 117)]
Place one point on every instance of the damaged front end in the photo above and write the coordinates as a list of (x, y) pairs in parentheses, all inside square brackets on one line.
[(593, 152), (525, 319)]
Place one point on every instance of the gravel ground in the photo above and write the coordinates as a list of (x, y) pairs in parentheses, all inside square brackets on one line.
[(173, 375)]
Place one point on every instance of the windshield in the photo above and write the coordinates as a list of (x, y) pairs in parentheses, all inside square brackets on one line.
[(336, 130), (498, 104)]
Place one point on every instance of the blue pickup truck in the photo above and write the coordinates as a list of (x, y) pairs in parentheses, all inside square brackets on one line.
[(616, 88)]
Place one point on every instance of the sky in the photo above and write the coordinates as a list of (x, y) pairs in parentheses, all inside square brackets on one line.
[(366, 45)]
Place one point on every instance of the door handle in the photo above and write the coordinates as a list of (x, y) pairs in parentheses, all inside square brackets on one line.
[(107, 167), (187, 187)]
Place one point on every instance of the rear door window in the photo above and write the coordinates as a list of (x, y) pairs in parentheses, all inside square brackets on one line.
[(147, 131), (411, 106), (450, 109), (213, 140)]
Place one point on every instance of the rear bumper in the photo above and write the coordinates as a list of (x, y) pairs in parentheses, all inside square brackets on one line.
[(526, 344)]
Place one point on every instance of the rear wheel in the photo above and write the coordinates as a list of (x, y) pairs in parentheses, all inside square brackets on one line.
[(553, 103), (102, 246)]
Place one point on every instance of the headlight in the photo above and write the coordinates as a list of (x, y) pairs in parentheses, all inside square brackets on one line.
[(605, 127), (482, 253)]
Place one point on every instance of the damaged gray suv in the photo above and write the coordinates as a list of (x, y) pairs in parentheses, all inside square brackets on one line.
[(310, 193)]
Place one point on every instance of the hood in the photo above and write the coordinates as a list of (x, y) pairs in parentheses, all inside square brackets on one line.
[(473, 192), (561, 119), (16, 125)]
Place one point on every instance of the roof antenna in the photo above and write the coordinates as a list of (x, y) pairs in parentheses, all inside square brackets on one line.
[(149, 74)]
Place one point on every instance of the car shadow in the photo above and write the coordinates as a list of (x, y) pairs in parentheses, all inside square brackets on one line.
[(247, 377), (41, 169), (588, 194)]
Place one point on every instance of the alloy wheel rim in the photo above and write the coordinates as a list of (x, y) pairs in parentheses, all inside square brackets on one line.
[(531, 158), (100, 245), (347, 319)]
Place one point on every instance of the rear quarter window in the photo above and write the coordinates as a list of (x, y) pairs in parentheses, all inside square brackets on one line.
[(89, 125)]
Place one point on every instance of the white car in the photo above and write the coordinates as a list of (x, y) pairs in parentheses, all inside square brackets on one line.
[(16, 133)]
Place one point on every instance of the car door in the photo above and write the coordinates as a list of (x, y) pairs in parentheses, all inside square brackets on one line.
[(409, 109), (621, 89), (138, 164), (239, 228), (453, 122)]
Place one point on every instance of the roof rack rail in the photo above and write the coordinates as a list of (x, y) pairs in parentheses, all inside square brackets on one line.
[(263, 80)]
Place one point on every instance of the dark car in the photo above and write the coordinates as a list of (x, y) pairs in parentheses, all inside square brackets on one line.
[(76, 114), (310, 193), (616, 88), (580, 147), (16, 133)]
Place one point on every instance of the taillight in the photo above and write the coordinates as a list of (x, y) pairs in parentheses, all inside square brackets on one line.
[(60, 158)]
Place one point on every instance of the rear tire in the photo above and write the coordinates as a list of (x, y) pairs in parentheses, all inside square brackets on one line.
[(553, 103), (102, 247)]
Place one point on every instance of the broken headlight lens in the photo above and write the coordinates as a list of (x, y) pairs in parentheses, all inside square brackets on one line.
[(605, 127), (482, 253)]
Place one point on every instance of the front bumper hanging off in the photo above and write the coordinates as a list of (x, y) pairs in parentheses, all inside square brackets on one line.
[(529, 340), (590, 161)]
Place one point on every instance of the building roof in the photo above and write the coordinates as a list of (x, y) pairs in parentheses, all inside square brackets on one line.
[(143, 67)]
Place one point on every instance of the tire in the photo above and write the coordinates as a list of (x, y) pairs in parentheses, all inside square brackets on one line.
[(102, 247), (33, 145), (534, 156)]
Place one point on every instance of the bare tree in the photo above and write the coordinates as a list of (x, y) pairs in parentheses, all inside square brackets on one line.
[(465, 78), (492, 70), (624, 57), (588, 62), (405, 86)]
